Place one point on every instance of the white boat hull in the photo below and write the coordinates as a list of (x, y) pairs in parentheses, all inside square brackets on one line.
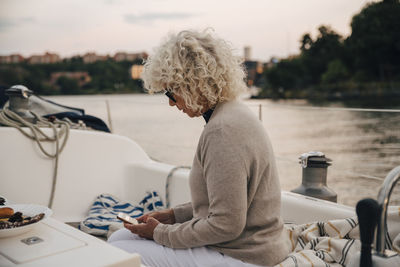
[(93, 163)]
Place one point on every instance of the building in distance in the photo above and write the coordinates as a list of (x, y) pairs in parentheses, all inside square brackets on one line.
[(47, 58), (123, 56), (14, 58), (247, 53), (136, 71), (92, 57), (254, 68)]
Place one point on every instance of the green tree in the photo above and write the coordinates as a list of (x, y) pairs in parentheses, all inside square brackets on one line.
[(374, 42), (285, 77), (317, 54), (306, 70), (11, 75), (68, 86), (335, 72)]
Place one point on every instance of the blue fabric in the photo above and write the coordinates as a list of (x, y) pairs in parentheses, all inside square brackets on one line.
[(102, 217)]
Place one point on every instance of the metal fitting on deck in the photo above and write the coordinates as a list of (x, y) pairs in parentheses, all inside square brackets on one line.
[(315, 168), (19, 102)]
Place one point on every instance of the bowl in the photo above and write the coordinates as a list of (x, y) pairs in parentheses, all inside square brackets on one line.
[(27, 210)]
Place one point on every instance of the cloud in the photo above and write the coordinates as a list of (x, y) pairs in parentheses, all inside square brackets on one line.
[(7, 23), (151, 17)]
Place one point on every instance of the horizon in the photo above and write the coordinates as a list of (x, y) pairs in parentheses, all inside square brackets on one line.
[(70, 28)]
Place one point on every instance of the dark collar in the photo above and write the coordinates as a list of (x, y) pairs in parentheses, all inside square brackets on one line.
[(207, 114)]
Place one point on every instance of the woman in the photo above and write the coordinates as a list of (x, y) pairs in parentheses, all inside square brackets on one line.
[(234, 217)]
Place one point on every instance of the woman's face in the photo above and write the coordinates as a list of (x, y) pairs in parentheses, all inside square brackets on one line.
[(180, 104)]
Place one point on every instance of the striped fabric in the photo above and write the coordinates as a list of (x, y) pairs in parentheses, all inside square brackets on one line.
[(332, 243), (102, 218)]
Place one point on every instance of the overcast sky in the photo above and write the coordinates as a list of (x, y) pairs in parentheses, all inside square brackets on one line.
[(70, 27)]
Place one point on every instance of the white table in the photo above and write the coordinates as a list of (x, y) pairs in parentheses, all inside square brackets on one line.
[(54, 243)]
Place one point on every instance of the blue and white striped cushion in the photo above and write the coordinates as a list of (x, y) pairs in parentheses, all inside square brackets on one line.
[(102, 217)]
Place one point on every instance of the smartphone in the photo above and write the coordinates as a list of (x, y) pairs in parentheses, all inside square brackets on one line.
[(126, 218)]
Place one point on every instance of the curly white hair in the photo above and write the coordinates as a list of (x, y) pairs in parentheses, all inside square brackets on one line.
[(196, 66)]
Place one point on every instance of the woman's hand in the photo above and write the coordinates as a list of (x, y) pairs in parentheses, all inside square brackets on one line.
[(144, 229), (149, 221), (163, 216)]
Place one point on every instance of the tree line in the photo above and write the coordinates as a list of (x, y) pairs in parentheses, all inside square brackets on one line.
[(366, 63), (106, 76)]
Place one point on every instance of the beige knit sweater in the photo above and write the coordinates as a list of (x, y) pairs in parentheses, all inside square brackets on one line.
[(235, 192)]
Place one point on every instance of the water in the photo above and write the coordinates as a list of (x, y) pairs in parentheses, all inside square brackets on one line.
[(363, 145)]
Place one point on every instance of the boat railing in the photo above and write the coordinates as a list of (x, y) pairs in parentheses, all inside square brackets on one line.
[(383, 200)]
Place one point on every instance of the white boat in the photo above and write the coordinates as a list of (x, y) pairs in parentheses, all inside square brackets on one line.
[(93, 163)]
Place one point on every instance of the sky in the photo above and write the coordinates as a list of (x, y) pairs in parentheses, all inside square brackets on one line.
[(272, 28)]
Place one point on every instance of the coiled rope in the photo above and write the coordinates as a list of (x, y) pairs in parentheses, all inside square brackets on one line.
[(12, 119)]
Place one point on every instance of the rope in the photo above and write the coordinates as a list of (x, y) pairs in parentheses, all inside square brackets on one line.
[(171, 172), (12, 119)]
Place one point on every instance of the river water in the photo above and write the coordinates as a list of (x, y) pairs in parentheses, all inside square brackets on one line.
[(363, 144)]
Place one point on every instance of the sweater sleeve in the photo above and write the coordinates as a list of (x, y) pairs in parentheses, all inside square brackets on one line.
[(226, 178), (183, 212)]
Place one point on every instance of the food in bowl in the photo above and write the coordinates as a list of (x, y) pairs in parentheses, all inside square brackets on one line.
[(10, 219), (6, 212)]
